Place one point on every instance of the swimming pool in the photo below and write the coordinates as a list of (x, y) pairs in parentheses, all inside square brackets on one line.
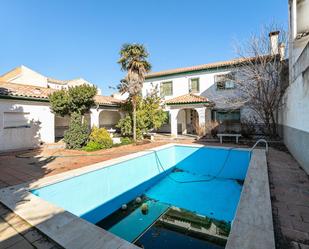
[(203, 181)]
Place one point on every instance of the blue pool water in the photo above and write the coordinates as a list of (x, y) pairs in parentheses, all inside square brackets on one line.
[(206, 181)]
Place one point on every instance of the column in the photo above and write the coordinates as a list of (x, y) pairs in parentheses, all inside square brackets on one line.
[(201, 116), (173, 117), (94, 117)]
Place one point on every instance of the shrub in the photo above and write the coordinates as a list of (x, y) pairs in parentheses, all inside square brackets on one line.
[(200, 130), (125, 125), (92, 146), (101, 137), (211, 128), (126, 140), (77, 134)]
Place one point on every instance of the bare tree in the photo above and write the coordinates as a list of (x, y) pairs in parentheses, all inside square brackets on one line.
[(260, 75)]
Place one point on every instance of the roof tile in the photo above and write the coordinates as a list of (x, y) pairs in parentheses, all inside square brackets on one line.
[(188, 98), (29, 91), (201, 67)]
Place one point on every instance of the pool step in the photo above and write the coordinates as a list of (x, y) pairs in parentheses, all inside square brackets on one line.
[(136, 223)]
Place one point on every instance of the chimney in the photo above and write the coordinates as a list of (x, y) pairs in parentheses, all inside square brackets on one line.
[(282, 50), (274, 40)]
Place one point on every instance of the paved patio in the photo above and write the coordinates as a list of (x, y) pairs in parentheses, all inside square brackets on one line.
[(289, 191), (290, 200)]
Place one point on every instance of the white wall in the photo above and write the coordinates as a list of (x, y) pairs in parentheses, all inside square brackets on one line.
[(296, 109), (294, 116), (207, 88), (41, 125)]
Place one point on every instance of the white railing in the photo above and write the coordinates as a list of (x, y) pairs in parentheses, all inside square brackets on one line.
[(259, 141)]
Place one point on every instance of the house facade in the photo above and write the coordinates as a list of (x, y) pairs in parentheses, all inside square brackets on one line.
[(294, 118), (196, 96), (26, 120)]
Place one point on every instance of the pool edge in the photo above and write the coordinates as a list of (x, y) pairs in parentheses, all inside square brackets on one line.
[(63, 227), (252, 227)]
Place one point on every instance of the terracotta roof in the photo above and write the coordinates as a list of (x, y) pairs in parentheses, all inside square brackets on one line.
[(28, 91), (199, 67), (41, 93), (187, 99), (107, 100)]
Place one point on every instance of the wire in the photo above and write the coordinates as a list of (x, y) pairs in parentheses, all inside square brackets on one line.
[(192, 181)]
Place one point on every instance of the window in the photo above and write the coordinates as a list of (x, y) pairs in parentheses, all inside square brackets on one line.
[(16, 120), (166, 88), (224, 81), (226, 115), (194, 85)]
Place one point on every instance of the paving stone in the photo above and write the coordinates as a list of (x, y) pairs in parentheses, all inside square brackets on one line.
[(8, 236), (17, 223), (43, 243), (290, 200), (294, 234), (32, 235), (22, 244)]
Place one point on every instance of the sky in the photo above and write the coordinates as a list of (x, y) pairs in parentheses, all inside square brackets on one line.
[(66, 39)]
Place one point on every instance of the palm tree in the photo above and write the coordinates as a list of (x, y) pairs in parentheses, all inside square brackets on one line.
[(133, 60)]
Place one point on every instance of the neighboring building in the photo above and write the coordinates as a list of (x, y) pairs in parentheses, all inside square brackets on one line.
[(196, 95), (26, 120), (25, 76), (295, 113)]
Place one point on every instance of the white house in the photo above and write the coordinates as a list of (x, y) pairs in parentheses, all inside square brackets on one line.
[(26, 120), (295, 112), (196, 95), (26, 76), (190, 93)]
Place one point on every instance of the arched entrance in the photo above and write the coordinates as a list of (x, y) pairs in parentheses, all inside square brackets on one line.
[(109, 119), (187, 121)]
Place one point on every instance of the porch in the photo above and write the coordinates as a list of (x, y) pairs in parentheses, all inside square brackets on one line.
[(188, 114), (99, 117)]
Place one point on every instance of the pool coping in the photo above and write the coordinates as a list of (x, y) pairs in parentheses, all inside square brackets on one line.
[(252, 227), (70, 231)]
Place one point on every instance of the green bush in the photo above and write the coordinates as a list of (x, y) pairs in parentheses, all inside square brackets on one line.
[(77, 134), (92, 146), (126, 140), (125, 125), (101, 137)]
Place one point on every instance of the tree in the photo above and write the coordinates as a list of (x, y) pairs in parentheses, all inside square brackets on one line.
[(77, 134), (133, 60), (149, 115), (77, 99), (261, 76)]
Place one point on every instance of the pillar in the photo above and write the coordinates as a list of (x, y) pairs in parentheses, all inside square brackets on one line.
[(201, 115), (173, 117), (94, 117)]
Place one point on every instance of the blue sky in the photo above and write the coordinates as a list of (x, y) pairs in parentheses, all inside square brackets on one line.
[(69, 39)]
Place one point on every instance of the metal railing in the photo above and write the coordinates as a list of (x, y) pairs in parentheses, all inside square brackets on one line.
[(259, 141)]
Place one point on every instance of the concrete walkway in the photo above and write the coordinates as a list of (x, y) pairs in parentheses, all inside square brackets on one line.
[(290, 201)]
